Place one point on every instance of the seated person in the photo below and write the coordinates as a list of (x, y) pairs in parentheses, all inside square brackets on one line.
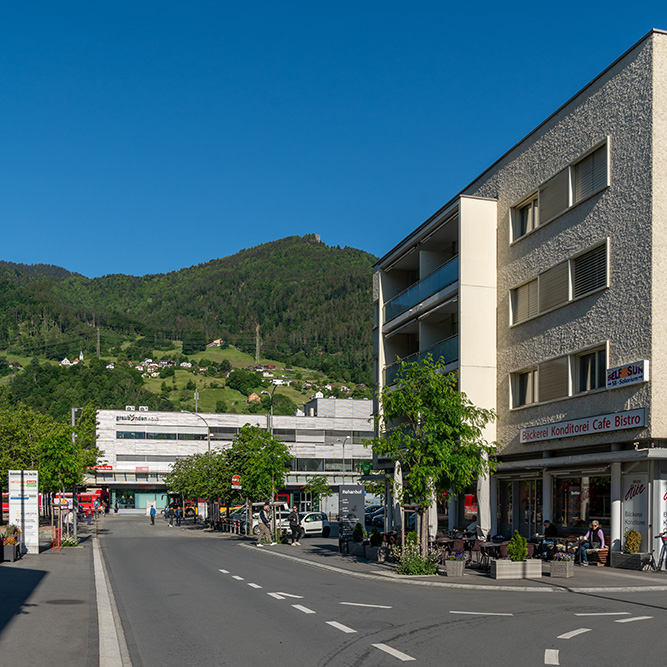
[(593, 539), (550, 535), (472, 527)]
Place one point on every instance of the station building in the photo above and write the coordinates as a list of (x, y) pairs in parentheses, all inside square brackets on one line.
[(542, 283), (139, 447)]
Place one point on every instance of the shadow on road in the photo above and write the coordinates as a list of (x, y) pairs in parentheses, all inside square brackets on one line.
[(16, 585)]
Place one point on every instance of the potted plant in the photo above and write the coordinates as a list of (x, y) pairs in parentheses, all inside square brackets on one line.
[(516, 566), (372, 549), (562, 564), (630, 558), (455, 564), (11, 543), (357, 546)]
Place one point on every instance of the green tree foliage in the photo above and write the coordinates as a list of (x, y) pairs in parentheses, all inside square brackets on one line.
[(194, 341), (200, 475), (262, 461), (319, 488), (434, 431), (245, 381)]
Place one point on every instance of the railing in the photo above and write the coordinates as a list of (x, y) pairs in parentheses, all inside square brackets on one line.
[(445, 275), (447, 350)]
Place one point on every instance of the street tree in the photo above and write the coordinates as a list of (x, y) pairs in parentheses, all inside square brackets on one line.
[(200, 475), (319, 488), (434, 432)]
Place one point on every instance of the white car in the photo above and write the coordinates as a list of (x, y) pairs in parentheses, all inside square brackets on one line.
[(315, 523), (281, 520)]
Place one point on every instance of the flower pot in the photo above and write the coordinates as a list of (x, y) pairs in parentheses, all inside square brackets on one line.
[(561, 568), (11, 552), (523, 569), (454, 568), (629, 561), (371, 553)]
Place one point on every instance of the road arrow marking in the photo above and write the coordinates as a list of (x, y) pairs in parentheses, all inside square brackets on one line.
[(340, 626), (573, 633), (276, 595), (392, 651), (305, 610)]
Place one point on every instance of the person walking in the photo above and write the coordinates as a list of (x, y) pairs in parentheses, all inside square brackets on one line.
[(179, 515), (264, 525), (295, 526), (70, 522), (171, 517), (115, 507), (152, 513)]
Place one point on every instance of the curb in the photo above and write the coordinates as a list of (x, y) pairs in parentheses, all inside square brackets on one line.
[(411, 581)]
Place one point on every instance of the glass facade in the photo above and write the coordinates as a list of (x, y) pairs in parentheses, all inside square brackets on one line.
[(579, 500)]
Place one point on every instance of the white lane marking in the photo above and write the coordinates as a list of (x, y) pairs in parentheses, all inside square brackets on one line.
[(482, 613), (254, 585), (224, 571), (361, 604), (275, 595), (392, 651), (236, 576), (634, 618), (573, 633), (305, 610), (605, 613), (289, 595), (340, 626), (551, 656)]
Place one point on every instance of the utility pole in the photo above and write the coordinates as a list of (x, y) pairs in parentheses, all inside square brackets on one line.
[(256, 343), (98, 342)]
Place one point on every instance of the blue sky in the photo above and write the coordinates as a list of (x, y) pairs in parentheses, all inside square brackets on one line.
[(144, 137)]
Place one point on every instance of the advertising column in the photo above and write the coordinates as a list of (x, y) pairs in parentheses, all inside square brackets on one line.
[(24, 507), (634, 492)]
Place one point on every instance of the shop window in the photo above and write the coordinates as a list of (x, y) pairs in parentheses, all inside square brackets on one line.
[(579, 500)]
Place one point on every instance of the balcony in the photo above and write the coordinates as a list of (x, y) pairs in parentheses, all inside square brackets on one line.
[(433, 283), (447, 349)]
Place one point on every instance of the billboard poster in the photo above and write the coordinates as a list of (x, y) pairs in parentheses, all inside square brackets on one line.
[(634, 492), (24, 507), (659, 510), (350, 509)]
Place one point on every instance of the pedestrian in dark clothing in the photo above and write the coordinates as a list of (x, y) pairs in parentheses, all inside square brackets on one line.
[(179, 515), (295, 526), (170, 512), (152, 513)]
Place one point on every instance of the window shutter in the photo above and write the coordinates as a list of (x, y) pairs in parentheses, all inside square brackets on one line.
[(590, 174), (553, 379), (524, 302), (554, 288), (554, 196), (590, 271)]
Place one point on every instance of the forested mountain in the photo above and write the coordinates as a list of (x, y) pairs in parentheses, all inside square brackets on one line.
[(312, 303)]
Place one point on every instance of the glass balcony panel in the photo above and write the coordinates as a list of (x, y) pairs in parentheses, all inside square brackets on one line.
[(447, 349), (439, 279)]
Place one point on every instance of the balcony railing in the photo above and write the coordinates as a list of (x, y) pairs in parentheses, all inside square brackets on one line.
[(447, 350), (439, 279)]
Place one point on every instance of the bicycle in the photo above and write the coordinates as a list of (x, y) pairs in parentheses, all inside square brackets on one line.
[(651, 565)]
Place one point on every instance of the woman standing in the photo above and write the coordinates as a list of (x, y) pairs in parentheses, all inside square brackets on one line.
[(295, 526)]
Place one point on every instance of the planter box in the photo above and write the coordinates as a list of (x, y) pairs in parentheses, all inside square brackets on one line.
[(371, 553), (523, 569), (629, 561), (454, 568), (11, 552), (562, 568), (356, 549)]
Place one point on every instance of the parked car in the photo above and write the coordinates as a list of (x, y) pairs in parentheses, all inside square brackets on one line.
[(378, 519), (371, 515), (370, 509), (282, 522), (315, 523)]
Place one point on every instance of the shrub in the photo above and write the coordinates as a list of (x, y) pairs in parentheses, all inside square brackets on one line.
[(411, 562), (70, 541), (375, 537), (358, 533), (411, 537), (516, 548), (633, 541)]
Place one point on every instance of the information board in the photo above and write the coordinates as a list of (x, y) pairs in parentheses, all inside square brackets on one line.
[(24, 507), (350, 509)]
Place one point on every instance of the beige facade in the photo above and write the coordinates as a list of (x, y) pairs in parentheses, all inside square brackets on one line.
[(561, 254)]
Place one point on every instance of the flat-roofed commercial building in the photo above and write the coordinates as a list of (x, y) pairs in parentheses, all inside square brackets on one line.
[(139, 447), (542, 284)]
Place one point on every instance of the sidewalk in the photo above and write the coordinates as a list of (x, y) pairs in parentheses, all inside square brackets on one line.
[(47, 606)]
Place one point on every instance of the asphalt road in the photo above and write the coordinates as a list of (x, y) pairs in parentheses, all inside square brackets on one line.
[(187, 598)]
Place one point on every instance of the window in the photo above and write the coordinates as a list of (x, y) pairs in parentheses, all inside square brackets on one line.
[(590, 174), (553, 379), (591, 369), (562, 191), (590, 271), (525, 217), (525, 388), (551, 288)]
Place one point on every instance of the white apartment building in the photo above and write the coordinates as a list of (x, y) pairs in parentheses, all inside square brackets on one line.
[(139, 447), (541, 283)]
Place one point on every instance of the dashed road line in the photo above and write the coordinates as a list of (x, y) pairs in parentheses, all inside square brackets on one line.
[(551, 656), (634, 618), (604, 613), (361, 604), (224, 571), (482, 613), (305, 610), (340, 626), (236, 576), (573, 633), (392, 651), (254, 585), (289, 595), (277, 596)]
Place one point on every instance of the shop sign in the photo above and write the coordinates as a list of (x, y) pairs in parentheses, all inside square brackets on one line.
[(141, 469), (634, 495), (136, 418), (351, 509), (24, 507), (101, 468), (614, 421), (628, 374), (659, 511)]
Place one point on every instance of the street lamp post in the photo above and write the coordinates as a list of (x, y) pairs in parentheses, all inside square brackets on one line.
[(347, 437)]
